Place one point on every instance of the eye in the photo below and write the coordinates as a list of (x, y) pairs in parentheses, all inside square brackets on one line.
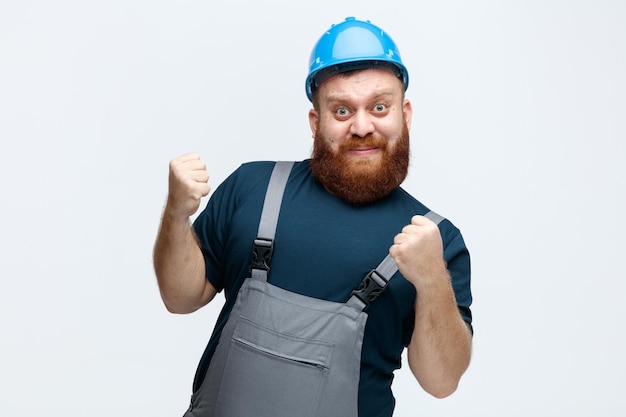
[(380, 108), (342, 111)]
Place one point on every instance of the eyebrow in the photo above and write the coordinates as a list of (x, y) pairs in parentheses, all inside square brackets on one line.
[(339, 97)]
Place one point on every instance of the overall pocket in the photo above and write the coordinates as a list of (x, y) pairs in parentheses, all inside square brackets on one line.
[(272, 374)]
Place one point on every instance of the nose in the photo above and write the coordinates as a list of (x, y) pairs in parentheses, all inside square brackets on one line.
[(362, 124)]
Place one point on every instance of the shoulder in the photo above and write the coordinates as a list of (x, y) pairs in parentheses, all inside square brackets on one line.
[(247, 176), (249, 180), (449, 231), (252, 169), (264, 168)]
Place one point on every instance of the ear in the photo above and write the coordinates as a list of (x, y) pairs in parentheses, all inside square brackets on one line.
[(313, 121), (407, 111)]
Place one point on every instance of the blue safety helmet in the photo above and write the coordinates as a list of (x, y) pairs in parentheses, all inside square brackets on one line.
[(349, 45)]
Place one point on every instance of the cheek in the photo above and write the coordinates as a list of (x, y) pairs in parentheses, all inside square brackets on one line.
[(332, 143), (391, 128), (332, 134)]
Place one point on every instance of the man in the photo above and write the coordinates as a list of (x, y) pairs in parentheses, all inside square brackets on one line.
[(342, 212)]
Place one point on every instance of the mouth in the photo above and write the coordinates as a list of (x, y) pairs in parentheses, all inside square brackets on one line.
[(363, 151)]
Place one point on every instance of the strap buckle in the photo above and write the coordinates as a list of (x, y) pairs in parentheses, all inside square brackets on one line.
[(262, 250), (370, 288)]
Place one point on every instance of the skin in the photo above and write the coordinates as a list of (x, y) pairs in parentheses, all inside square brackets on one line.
[(366, 102), (372, 102), (178, 261)]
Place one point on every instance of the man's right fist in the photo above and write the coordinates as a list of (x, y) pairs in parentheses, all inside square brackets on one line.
[(188, 183)]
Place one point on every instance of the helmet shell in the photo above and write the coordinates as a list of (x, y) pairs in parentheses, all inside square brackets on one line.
[(353, 44)]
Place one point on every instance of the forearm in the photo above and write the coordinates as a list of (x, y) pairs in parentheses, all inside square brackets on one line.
[(179, 266), (440, 348)]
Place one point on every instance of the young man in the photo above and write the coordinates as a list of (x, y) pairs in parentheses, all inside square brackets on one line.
[(342, 212)]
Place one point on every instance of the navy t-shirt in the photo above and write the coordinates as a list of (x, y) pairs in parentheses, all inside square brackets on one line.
[(323, 248)]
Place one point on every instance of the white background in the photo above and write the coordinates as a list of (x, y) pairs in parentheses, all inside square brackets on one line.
[(518, 137)]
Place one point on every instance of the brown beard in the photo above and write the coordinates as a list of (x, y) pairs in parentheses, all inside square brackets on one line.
[(361, 182)]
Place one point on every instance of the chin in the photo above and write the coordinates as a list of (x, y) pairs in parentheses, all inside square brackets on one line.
[(365, 164)]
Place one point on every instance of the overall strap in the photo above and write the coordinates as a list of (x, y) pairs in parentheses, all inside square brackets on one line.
[(263, 245), (377, 280)]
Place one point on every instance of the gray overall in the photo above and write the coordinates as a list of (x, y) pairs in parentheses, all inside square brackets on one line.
[(283, 354)]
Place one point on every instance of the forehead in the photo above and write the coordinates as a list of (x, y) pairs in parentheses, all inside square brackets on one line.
[(361, 84)]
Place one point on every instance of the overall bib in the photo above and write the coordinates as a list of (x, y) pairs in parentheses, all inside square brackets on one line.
[(283, 354)]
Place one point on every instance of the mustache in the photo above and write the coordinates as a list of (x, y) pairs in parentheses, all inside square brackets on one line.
[(369, 140)]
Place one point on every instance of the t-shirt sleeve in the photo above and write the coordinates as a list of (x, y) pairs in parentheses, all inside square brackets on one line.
[(211, 226), (457, 257)]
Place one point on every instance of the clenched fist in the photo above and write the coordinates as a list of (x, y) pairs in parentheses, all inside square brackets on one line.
[(418, 252), (188, 183)]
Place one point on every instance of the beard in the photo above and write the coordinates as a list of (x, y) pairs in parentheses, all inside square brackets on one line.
[(361, 182)]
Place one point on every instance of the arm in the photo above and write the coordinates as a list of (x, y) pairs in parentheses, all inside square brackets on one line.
[(440, 348), (178, 260)]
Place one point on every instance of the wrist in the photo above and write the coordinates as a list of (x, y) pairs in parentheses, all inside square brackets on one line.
[(175, 217), (435, 282)]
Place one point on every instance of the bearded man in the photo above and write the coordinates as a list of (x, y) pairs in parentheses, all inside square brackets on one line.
[(342, 212)]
